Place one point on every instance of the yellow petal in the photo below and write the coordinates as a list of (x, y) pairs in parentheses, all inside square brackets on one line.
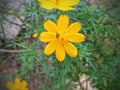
[(24, 83), (60, 53), (50, 26), (34, 35), (68, 2), (70, 49), (47, 36), (50, 48), (47, 4), (47, 1), (73, 28), (25, 89), (17, 81), (63, 22), (10, 85), (65, 8), (75, 38)]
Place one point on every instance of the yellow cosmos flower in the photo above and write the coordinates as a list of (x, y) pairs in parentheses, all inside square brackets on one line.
[(58, 4), (17, 85), (60, 36)]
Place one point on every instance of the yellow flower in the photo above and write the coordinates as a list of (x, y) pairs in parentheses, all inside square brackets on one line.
[(60, 37), (17, 85), (35, 34), (58, 4)]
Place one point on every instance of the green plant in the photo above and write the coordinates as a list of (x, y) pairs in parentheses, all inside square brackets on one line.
[(98, 56)]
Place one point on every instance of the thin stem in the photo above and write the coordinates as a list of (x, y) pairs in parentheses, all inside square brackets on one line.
[(3, 31), (2, 50), (20, 45)]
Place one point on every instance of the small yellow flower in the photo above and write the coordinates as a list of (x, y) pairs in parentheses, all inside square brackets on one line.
[(60, 36), (17, 85), (58, 4), (35, 34)]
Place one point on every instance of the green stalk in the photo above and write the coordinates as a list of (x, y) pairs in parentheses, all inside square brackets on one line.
[(3, 31)]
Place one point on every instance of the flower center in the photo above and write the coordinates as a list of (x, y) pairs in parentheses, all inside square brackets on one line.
[(60, 38), (57, 2)]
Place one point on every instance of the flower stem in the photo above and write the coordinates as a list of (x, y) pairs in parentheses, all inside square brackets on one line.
[(3, 31)]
